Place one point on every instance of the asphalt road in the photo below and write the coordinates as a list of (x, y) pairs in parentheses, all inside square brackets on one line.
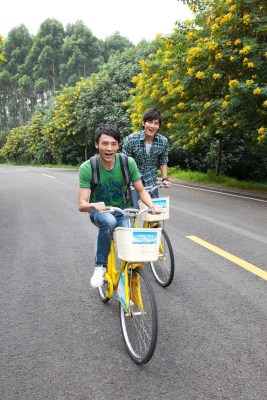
[(59, 342)]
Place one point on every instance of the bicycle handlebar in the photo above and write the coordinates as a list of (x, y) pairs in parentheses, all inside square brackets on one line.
[(130, 212), (159, 185), (151, 189)]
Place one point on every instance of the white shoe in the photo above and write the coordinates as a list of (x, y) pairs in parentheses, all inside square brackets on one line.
[(97, 279)]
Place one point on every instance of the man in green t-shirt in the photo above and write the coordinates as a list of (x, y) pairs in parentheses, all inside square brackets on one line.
[(112, 191)]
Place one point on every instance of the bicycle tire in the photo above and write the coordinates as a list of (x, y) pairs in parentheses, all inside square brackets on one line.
[(163, 268), (140, 328)]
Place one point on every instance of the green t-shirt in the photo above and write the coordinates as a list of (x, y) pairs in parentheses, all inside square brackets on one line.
[(112, 188)]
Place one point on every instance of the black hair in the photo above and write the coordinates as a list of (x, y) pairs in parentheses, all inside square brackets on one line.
[(107, 129), (151, 114)]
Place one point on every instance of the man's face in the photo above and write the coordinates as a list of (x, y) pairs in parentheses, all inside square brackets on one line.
[(151, 128), (107, 147)]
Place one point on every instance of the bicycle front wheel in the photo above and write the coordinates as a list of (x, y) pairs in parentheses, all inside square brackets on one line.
[(163, 268), (140, 324)]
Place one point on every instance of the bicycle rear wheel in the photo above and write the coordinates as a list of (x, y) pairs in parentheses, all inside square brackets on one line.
[(140, 325), (163, 268)]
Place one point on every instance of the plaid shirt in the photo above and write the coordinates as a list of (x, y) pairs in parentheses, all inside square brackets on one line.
[(134, 146)]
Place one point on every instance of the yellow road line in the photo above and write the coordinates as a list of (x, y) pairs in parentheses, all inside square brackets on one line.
[(49, 176), (250, 267)]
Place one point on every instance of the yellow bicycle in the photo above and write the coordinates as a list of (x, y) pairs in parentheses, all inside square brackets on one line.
[(163, 267), (126, 277)]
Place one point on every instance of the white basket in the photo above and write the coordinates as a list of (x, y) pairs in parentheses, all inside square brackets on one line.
[(137, 244), (164, 202)]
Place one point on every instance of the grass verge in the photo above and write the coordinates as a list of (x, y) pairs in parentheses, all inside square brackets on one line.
[(210, 178)]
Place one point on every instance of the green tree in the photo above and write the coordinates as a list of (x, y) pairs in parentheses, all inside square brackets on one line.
[(115, 43), (106, 100), (78, 110), (14, 107), (45, 56), (81, 54)]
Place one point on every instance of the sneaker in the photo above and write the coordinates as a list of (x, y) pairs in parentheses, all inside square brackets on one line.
[(97, 279)]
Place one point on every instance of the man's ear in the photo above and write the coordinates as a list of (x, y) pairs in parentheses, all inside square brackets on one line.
[(96, 145)]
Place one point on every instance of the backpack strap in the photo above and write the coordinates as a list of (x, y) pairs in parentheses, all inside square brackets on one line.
[(125, 168), (95, 174), (126, 173)]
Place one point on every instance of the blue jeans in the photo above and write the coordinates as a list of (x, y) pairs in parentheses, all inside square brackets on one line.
[(106, 222), (135, 197)]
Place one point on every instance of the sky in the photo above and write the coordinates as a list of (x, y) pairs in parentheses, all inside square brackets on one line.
[(134, 19)]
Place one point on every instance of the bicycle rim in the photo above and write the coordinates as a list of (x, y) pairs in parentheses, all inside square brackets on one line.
[(163, 268), (140, 326)]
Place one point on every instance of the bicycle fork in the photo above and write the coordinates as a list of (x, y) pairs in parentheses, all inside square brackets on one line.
[(134, 295)]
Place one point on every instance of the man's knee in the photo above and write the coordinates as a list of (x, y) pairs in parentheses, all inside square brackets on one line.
[(109, 222)]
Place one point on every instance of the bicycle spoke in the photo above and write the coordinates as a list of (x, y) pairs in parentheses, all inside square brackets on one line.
[(163, 268)]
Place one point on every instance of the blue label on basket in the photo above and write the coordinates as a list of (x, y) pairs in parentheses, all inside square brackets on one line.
[(160, 202), (144, 237)]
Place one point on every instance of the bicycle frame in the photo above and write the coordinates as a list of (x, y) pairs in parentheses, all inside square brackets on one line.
[(113, 276)]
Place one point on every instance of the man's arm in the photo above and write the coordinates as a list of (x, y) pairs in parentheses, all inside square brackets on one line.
[(164, 171), (164, 174), (144, 195), (84, 205)]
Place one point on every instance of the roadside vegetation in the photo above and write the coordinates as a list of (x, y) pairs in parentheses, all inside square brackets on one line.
[(208, 77), (211, 178)]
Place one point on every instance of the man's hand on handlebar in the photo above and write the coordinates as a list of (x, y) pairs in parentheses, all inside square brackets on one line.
[(99, 206), (156, 210), (166, 182)]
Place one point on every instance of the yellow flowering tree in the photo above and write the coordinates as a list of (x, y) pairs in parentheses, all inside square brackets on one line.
[(62, 129), (16, 145), (2, 58), (209, 78)]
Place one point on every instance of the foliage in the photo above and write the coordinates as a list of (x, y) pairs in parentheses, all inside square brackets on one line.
[(209, 79), (98, 99), (2, 58), (211, 178), (62, 131), (16, 147), (37, 66)]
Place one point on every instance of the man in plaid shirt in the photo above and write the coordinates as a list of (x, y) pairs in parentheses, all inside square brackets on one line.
[(149, 149)]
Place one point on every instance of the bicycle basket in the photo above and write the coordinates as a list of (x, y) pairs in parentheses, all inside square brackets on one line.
[(164, 202), (137, 244)]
